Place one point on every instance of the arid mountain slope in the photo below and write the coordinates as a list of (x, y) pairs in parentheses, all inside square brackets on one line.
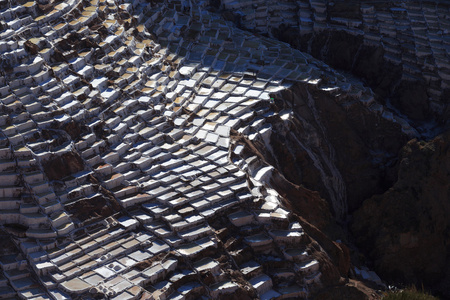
[(406, 230)]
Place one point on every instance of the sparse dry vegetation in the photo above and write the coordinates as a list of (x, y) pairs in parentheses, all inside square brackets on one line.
[(411, 293)]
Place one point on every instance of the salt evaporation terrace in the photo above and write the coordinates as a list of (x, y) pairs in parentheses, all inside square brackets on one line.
[(412, 34), (136, 105)]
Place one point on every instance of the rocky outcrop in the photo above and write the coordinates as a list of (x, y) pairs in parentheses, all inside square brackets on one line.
[(314, 215), (351, 291), (61, 166), (334, 145), (405, 231)]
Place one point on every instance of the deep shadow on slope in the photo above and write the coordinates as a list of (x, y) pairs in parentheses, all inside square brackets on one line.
[(347, 52), (364, 144), (406, 231), (314, 215)]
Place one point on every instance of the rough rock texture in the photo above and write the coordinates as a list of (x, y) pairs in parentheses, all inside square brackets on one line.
[(89, 209), (314, 215), (396, 48), (60, 166), (348, 140), (7, 243), (406, 230), (410, 98), (347, 52)]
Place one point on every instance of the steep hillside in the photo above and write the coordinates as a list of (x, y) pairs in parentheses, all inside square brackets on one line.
[(120, 173), (157, 150), (400, 48), (406, 229)]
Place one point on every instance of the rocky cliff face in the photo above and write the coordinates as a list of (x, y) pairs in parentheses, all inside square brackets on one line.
[(348, 153), (406, 229), (350, 146), (334, 145)]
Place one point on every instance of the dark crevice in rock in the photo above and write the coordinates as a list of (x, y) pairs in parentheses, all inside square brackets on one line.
[(364, 144), (406, 230)]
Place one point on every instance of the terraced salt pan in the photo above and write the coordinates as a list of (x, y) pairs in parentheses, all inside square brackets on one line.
[(159, 113)]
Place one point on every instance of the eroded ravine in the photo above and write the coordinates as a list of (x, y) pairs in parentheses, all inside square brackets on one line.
[(398, 49)]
